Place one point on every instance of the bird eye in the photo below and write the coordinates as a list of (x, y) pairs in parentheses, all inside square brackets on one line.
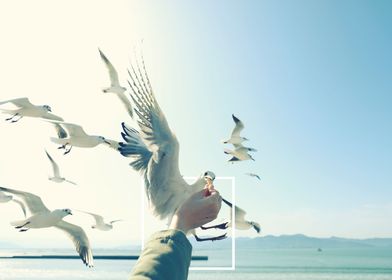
[(205, 174)]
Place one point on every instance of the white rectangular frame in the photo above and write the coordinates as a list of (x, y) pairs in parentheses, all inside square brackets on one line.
[(199, 268)]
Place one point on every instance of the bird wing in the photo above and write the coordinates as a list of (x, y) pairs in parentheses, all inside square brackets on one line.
[(32, 201), (256, 226), (115, 221), (135, 148), (80, 240), (112, 71), (98, 218), (238, 126), (51, 116), (21, 206), (154, 129), (127, 104), (56, 171), (68, 181), (239, 213), (74, 129), (61, 132), (253, 175), (20, 102)]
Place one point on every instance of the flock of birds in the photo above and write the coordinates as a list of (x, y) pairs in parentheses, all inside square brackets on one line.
[(153, 150)]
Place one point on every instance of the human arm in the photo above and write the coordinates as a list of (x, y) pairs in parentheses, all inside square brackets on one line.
[(167, 255)]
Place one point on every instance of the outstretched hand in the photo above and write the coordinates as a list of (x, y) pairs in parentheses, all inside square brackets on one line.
[(199, 209)]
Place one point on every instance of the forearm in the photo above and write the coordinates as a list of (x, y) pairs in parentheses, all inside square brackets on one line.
[(167, 255)]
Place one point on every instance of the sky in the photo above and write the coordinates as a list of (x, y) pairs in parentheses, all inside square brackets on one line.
[(309, 79)]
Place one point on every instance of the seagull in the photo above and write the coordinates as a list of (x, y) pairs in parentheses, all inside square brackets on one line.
[(27, 109), (253, 175), (56, 172), (99, 223), (154, 152), (240, 153), (235, 137), (73, 135), (5, 198), (42, 217), (115, 86), (240, 222)]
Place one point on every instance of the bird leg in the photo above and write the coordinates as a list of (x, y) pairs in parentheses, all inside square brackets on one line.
[(11, 118), (220, 237), (220, 226), (67, 150)]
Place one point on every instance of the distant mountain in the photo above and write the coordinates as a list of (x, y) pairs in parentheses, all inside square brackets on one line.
[(296, 241)]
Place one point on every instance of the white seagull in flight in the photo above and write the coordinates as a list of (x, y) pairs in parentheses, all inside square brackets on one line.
[(235, 137), (240, 222), (99, 222), (253, 175), (155, 151), (42, 217), (56, 172), (4, 198), (73, 135), (240, 153), (115, 86), (26, 109)]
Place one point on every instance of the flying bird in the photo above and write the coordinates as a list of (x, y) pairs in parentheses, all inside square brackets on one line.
[(240, 153), (99, 222), (154, 151), (240, 222), (56, 172), (73, 135), (253, 175), (4, 198), (235, 137), (115, 86), (26, 109), (42, 217)]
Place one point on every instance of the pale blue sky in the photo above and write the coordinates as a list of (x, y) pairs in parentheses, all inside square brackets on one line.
[(310, 80)]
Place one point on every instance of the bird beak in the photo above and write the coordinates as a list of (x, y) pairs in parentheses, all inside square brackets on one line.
[(208, 178)]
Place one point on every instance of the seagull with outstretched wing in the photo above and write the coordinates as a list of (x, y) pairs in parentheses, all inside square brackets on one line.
[(42, 217), (115, 86), (235, 137), (56, 172), (154, 151), (253, 175), (100, 223), (26, 109), (240, 153), (72, 134)]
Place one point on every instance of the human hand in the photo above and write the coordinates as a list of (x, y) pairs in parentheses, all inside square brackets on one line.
[(196, 211)]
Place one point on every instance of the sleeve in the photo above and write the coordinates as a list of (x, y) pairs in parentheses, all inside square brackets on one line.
[(167, 255)]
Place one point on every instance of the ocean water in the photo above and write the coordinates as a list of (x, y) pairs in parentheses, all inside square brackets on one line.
[(272, 264)]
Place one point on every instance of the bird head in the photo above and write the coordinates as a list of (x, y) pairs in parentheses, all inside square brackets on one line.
[(67, 211), (209, 175), (103, 140), (47, 108)]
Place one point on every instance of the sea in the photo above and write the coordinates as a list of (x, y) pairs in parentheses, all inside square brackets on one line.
[(269, 264)]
